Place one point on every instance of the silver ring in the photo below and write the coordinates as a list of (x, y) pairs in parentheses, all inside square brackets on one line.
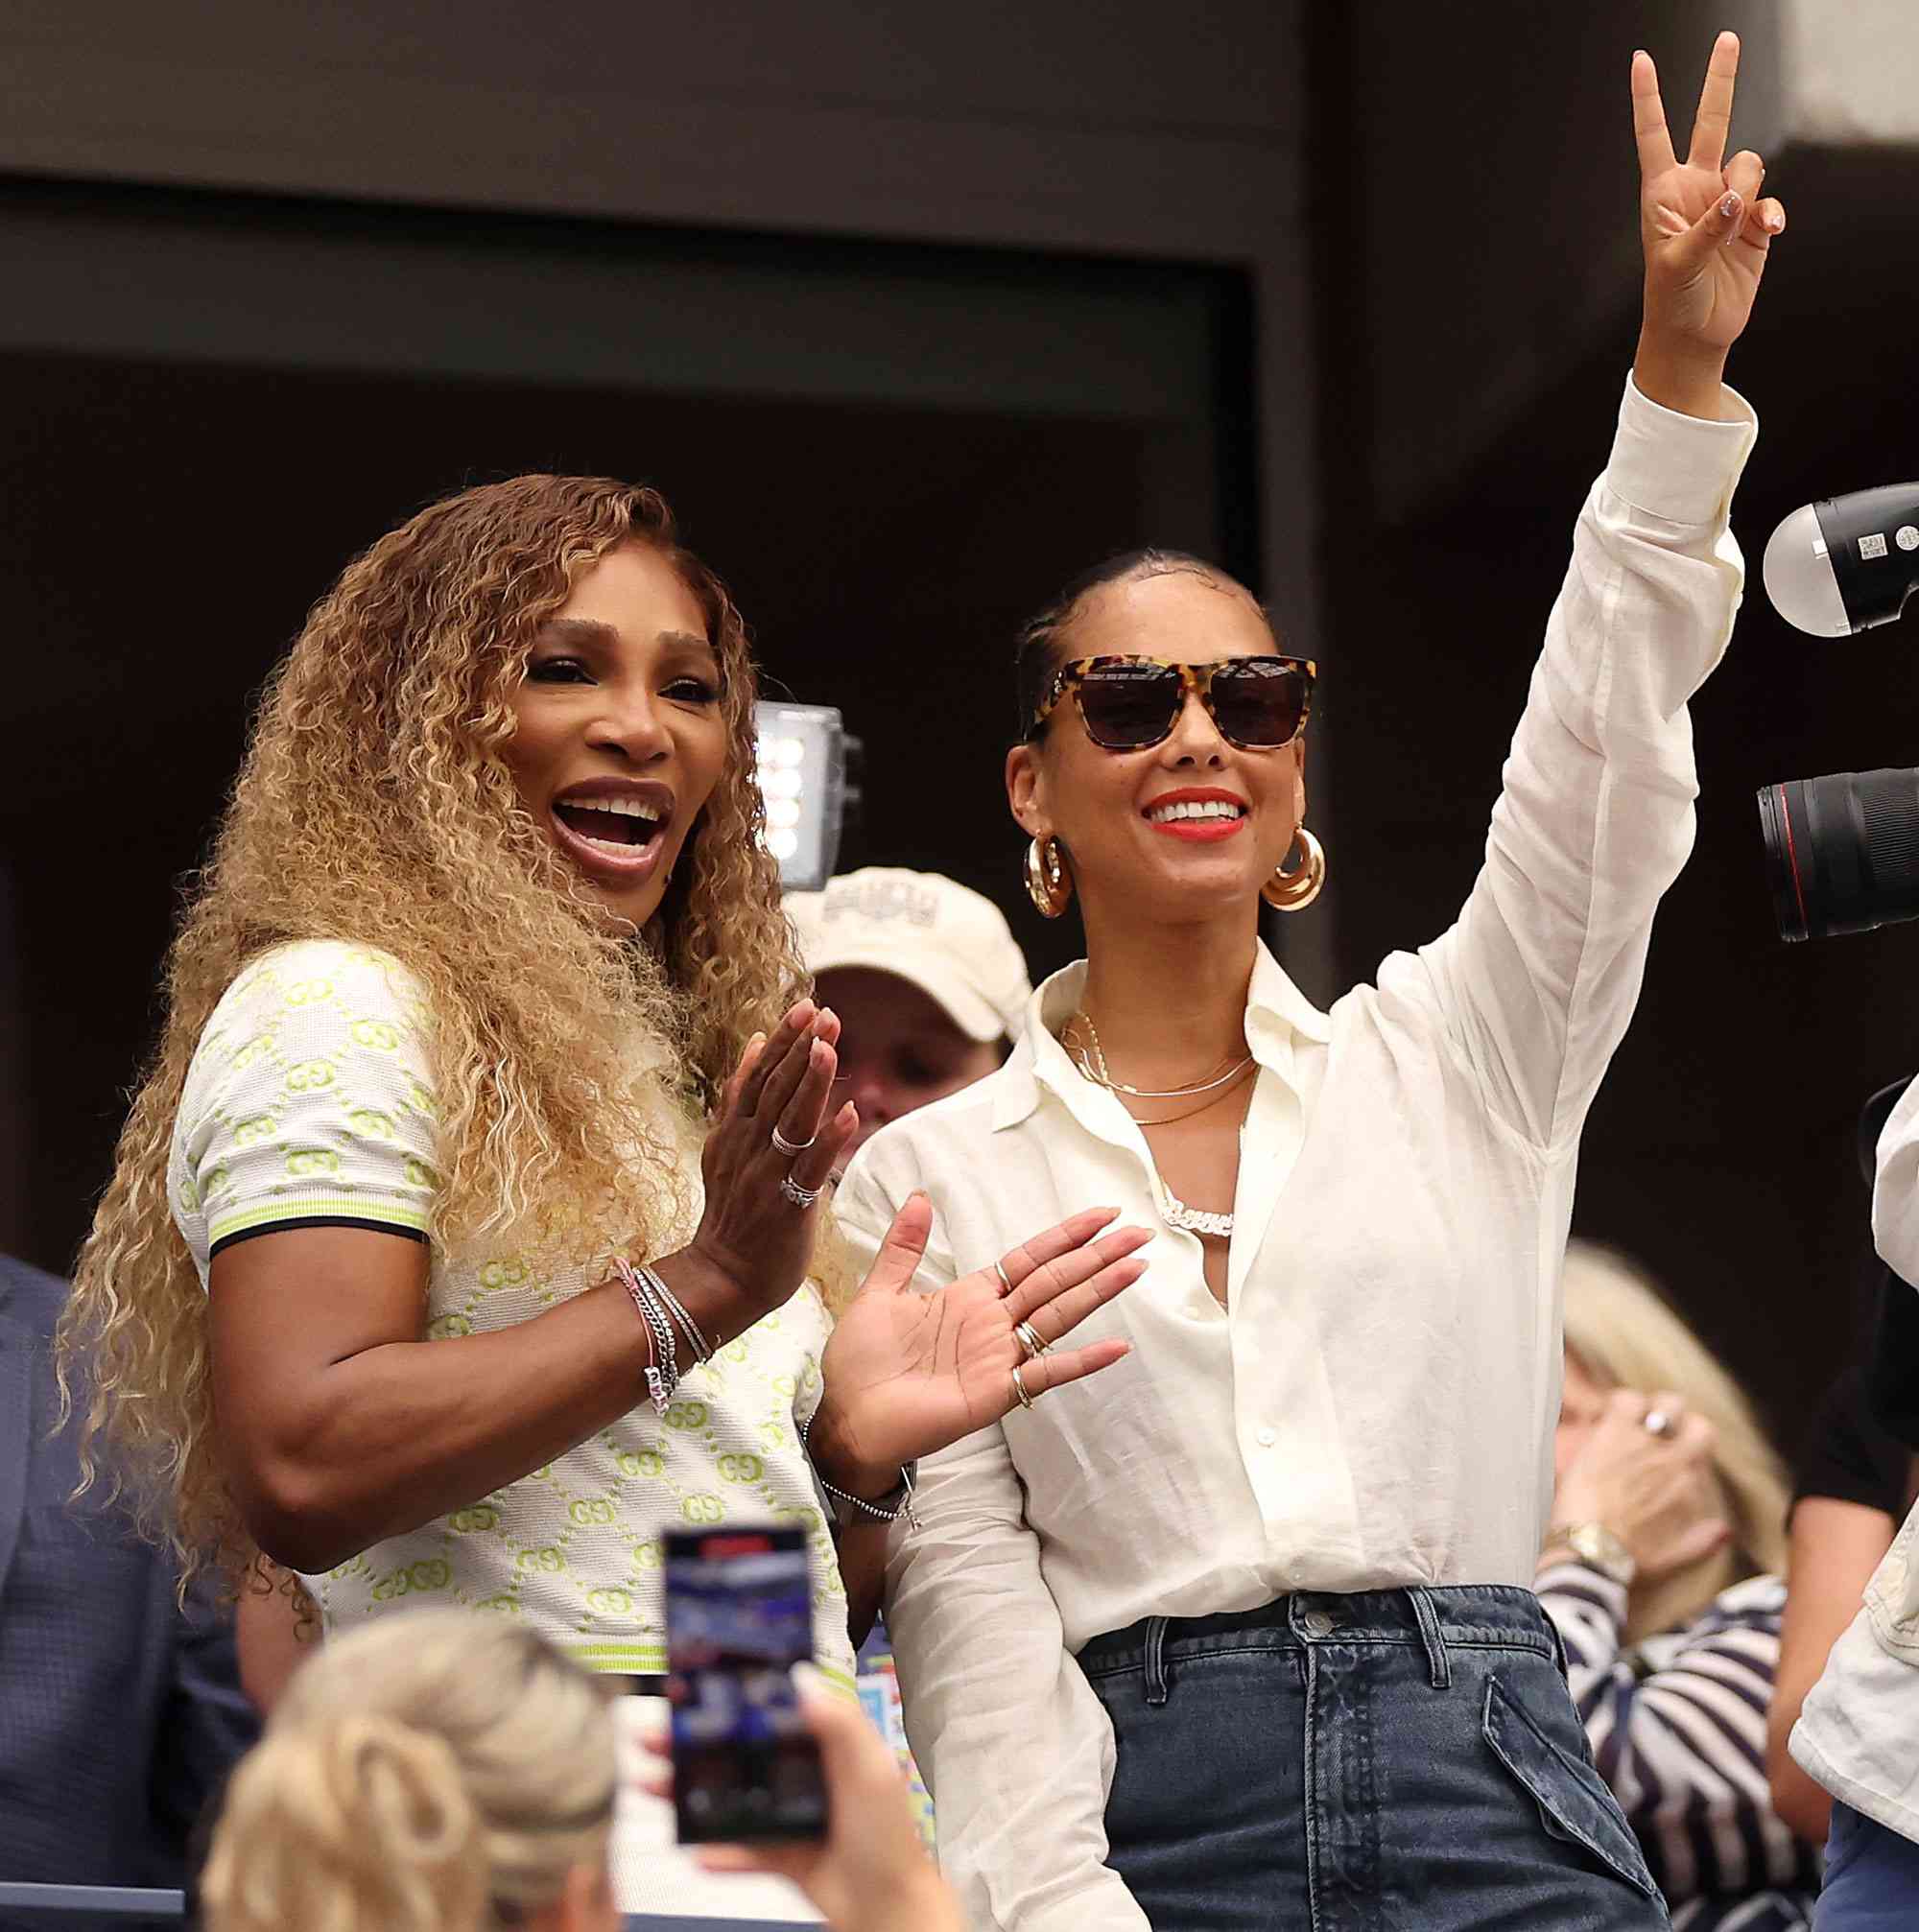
[(789, 1148), (1029, 1341), (800, 1197), (1006, 1280), (1658, 1422), (1019, 1389)]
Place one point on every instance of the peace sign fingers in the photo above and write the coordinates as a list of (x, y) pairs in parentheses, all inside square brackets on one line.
[(1648, 121), (1715, 119)]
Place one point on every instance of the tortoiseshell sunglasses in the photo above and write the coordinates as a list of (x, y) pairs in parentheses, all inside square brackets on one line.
[(1129, 703)]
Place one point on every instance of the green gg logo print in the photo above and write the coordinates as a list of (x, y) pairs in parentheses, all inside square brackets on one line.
[(415, 1579), (583, 1512), (741, 1468), (379, 1034), (704, 1508), (306, 1162), (309, 1076)]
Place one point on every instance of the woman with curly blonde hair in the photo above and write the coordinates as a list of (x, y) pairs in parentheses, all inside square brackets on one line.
[(458, 1238)]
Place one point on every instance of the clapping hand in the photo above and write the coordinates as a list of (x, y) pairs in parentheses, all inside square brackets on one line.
[(761, 1191), (907, 1373), (1706, 234)]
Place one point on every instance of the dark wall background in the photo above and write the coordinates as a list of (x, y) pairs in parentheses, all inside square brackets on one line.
[(911, 319)]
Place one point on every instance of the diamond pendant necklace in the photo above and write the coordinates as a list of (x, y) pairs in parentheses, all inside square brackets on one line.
[(1091, 1060)]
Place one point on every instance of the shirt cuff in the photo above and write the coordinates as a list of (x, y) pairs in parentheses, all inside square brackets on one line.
[(1106, 1906), (1676, 467)]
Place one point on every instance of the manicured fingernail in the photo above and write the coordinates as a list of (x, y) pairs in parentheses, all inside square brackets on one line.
[(1729, 207), (1774, 222)]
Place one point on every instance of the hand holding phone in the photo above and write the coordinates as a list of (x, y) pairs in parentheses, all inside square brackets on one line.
[(870, 1873), (739, 1610)]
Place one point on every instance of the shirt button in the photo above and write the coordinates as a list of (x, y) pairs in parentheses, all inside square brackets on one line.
[(1265, 1438), (1316, 1623)]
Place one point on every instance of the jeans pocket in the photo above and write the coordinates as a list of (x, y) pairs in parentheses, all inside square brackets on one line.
[(1573, 1801)]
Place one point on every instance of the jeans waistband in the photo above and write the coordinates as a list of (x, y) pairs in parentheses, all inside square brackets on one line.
[(1487, 1615)]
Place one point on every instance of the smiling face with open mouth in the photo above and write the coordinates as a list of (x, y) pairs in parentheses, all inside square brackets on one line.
[(620, 735)]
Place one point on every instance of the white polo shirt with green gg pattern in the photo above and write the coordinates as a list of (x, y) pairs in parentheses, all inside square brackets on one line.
[(310, 1102)]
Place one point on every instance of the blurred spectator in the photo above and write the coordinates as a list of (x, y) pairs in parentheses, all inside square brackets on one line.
[(926, 979), (1662, 1574), (436, 1771), (449, 1771), (1853, 1487), (120, 1715)]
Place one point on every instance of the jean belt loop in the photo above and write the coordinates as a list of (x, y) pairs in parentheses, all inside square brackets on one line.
[(1156, 1687), (1428, 1619)]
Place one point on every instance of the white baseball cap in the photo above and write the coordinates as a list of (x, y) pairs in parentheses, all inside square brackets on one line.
[(951, 942)]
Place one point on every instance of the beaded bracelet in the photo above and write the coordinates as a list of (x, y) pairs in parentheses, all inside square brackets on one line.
[(903, 1489)]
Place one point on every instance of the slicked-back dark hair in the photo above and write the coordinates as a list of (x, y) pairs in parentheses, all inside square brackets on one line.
[(1035, 652)]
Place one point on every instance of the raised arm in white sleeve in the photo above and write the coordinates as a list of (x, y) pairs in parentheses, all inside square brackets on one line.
[(1014, 1747), (1538, 978)]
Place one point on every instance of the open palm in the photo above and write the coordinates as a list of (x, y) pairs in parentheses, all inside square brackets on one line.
[(1704, 227), (907, 1373)]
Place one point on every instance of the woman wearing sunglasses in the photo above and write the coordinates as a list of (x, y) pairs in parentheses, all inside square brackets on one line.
[(1238, 1635)]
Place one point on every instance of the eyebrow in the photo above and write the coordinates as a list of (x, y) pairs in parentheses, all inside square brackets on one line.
[(587, 630)]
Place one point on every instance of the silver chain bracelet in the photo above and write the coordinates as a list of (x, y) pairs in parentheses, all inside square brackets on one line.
[(662, 1373)]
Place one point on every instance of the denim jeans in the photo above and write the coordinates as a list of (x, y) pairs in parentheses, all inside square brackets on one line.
[(1871, 1877), (1403, 1761)]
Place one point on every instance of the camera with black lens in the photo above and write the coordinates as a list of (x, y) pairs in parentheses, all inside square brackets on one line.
[(1842, 851)]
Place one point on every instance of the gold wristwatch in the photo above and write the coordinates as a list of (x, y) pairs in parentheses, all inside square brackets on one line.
[(1594, 1543)]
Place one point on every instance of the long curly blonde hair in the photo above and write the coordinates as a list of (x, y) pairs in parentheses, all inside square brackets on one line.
[(374, 805)]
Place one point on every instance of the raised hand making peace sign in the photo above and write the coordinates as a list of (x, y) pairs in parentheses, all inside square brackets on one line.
[(1706, 234)]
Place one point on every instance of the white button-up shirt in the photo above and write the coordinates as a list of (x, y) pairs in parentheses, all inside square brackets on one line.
[(1374, 1406), (1858, 1733)]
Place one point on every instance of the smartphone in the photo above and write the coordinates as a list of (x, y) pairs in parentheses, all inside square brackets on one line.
[(739, 1616)]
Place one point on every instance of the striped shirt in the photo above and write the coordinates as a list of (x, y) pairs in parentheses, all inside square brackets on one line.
[(1677, 1726)]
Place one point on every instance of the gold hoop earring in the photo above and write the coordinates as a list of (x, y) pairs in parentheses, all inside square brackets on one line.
[(1295, 890), (1049, 884)]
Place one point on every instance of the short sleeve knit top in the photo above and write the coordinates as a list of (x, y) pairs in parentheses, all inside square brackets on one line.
[(310, 1102)]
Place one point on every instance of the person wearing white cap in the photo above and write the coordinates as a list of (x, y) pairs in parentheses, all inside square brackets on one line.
[(926, 977)]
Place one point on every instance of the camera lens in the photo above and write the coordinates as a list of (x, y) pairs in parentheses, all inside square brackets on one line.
[(1841, 851)]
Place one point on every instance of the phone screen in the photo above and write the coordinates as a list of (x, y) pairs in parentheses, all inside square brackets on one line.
[(739, 1616)]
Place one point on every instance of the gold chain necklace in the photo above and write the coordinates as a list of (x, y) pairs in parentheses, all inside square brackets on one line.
[(1091, 1061), (1097, 1071)]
